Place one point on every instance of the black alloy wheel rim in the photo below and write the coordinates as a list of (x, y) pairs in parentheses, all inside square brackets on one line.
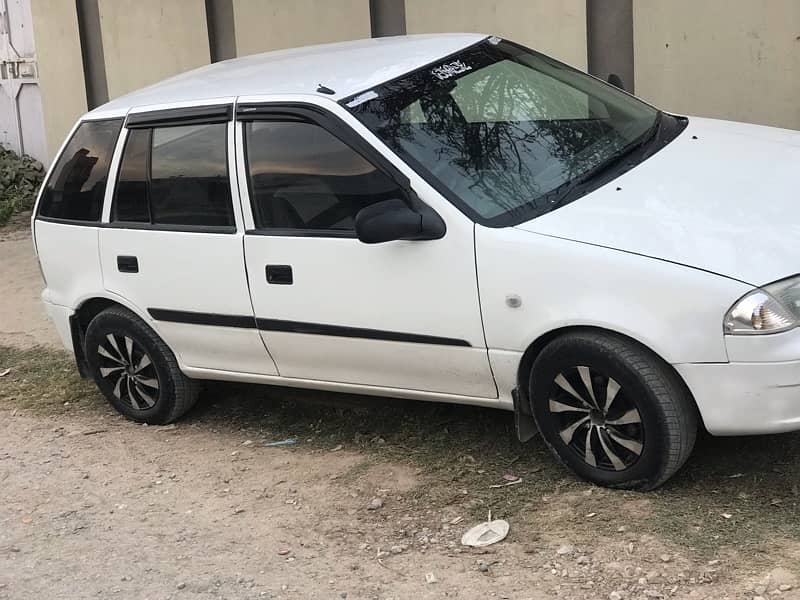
[(596, 419), (129, 371)]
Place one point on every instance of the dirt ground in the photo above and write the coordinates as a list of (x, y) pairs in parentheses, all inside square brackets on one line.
[(370, 501)]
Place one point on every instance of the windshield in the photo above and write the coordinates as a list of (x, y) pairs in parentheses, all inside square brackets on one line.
[(505, 133)]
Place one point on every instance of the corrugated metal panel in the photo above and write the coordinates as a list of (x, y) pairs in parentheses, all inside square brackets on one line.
[(21, 119)]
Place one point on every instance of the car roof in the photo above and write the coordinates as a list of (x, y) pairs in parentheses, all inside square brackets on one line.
[(344, 67)]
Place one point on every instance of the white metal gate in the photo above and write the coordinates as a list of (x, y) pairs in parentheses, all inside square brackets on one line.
[(21, 119)]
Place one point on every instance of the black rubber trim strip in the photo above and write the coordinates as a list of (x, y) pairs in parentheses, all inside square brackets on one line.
[(226, 229), (223, 229), (198, 318), (61, 221), (355, 332), (284, 232), (174, 117), (247, 322)]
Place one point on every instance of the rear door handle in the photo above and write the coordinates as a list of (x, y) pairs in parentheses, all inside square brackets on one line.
[(127, 264), (279, 274)]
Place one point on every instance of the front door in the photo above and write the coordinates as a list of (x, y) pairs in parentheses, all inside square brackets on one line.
[(173, 243), (401, 315)]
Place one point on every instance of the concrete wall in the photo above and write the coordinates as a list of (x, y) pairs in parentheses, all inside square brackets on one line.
[(263, 25), (555, 28), (731, 59), (145, 41), (58, 50), (735, 59)]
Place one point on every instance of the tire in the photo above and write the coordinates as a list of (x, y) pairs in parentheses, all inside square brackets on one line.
[(135, 369), (639, 439)]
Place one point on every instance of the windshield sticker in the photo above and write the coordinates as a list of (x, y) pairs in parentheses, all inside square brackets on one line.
[(450, 69), (494, 40), (361, 98)]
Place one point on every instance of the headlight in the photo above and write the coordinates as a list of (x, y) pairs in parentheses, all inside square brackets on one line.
[(770, 309)]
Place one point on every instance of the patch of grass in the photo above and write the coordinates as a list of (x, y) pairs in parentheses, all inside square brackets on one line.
[(734, 492), (43, 380)]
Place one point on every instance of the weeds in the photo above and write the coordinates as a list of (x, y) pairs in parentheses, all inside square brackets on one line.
[(20, 179)]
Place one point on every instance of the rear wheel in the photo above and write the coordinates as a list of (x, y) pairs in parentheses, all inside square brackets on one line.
[(612, 411), (135, 369)]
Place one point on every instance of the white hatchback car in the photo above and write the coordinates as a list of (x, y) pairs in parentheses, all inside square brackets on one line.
[(449, 217)]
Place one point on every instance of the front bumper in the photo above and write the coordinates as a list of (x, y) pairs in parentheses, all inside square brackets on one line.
[(743, 398)]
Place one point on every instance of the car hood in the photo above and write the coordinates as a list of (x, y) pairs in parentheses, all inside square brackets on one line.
[(722, 197)]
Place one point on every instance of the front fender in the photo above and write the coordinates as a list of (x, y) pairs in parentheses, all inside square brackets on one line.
[(674, 310)]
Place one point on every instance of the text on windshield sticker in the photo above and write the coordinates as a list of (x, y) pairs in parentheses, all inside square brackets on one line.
[(450, 69)]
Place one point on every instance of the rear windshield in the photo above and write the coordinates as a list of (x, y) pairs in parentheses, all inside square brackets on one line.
[(75, 189), (505, 133)]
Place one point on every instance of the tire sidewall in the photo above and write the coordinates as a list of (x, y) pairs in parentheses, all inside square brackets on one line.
[(109, 322), (577, 352)]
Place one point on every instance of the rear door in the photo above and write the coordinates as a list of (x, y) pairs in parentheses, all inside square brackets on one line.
[(400, 315), (173, 242)]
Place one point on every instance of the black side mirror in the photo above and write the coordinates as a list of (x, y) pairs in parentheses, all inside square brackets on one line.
[(394, 220), (616, 81)]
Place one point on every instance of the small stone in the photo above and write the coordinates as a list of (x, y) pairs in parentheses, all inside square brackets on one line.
[(238, 511), (283, 551), (396, 549), (181, 585), (247, 443), (430, 578), (382, 554), (666, 558), (615, 596), (565, 549), (785, 587), (759, 598), (343, 595), (375, 504), (483, 566), (583, 560)]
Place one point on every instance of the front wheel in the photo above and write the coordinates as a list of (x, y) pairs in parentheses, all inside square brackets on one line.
[(135, 369), (611, 410)]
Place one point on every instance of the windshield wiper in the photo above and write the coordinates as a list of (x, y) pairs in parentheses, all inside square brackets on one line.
[(565, 193)]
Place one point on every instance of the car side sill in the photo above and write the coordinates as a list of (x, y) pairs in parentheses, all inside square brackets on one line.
[(335, 386)]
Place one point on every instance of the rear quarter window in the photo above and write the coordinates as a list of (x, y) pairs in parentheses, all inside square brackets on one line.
[(76, 187)]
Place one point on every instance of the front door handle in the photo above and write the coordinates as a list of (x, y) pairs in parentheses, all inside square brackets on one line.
[(279, 274), (127, 264)]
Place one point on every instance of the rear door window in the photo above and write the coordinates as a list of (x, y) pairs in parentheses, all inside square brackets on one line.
[(175, 175), (75, 189)]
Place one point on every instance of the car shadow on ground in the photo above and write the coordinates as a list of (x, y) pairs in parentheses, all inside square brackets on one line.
[(340, 418), (733, 491)]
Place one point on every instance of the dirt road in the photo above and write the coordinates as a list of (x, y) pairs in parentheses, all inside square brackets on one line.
[(23, 322), (93, 506)]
